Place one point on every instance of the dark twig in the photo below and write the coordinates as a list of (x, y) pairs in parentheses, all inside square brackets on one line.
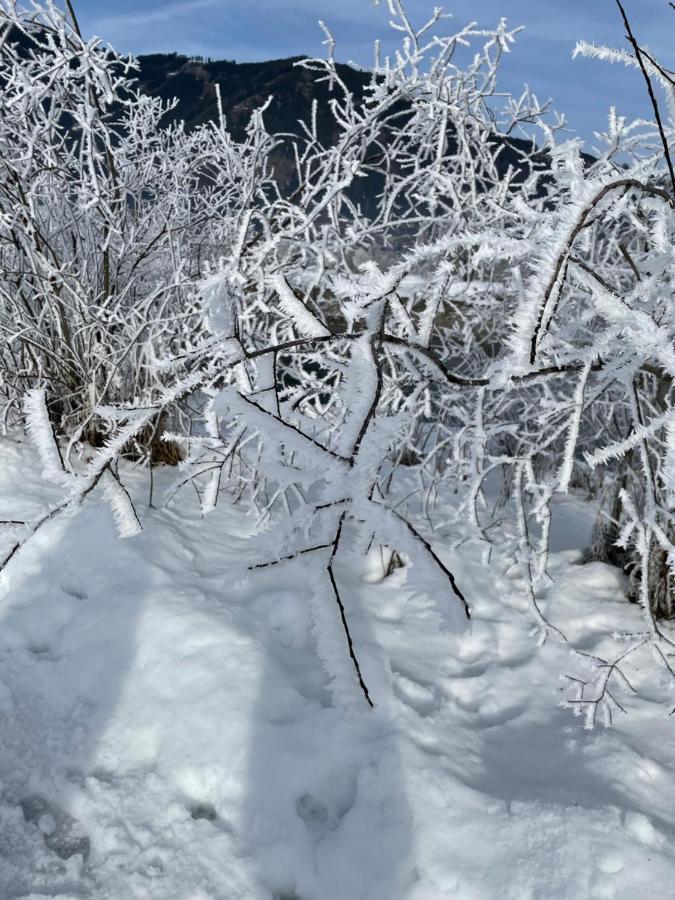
[(667, 74), (555, 279), (73, 17), (343, 616), (439, 562), (295, 429), (275, 562), (367, 419), (631, 262), (650, 91)]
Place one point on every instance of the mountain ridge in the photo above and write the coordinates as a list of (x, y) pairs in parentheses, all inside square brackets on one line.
[(290, 88)]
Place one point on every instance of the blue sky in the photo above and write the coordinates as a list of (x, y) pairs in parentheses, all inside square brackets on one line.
[(265, 29)]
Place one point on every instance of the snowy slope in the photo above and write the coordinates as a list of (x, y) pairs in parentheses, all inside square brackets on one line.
[(168, 730)]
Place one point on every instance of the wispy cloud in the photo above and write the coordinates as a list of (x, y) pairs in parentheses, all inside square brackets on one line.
[(168, 13)]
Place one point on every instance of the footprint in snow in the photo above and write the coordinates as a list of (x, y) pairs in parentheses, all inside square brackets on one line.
[(491, 715), (475, 670), (62, 833), (74, 591), (642, 829), (418, 696), (610, 862), (203, 811), (323, 808), (41, 651)]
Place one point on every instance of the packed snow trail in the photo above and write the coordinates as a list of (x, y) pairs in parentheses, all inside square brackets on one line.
[(168, 730)]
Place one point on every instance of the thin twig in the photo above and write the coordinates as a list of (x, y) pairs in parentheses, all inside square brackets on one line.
[(631, 262), (275, 562), (439, 562), (555, 280), (343, 615), (650, 91), (73, 17)]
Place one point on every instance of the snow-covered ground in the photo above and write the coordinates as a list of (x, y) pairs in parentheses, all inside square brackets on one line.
[(168, 730)]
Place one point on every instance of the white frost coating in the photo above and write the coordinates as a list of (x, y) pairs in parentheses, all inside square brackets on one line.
[(533, 306), (669, 464), (442, 279), (573, 434), (137, 420), (647, 338), (622, 57), (304, 321), (41, 433), (357, 392), (219, 300), (637, 436), (210, 495), (123, 510)]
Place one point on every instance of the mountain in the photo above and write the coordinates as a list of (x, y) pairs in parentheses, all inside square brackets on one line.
[(292, 88), (243, 88), (246, 86)]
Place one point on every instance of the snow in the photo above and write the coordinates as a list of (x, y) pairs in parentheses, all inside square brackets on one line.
[(169, 731)]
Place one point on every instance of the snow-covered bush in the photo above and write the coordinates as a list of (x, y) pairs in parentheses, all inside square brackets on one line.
[(596, 320), (313, 370), (94, 212), (326, 368), (498, 309)]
